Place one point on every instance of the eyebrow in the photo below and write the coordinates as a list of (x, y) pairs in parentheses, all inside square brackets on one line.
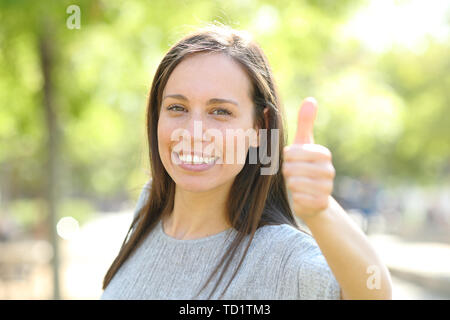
[(210, 101)]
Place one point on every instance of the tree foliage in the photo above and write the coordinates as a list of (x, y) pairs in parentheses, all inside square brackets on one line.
[(383, 115)]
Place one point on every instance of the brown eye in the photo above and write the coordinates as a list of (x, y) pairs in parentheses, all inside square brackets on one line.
[(175, 108), (223, 112)]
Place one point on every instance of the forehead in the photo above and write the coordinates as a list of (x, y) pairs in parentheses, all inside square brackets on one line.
[(203, 75)]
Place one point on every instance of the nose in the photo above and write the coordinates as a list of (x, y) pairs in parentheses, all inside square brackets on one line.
[(194, 123), (193, 131)]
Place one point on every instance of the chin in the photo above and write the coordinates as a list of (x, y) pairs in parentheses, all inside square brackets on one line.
[(195, 184)]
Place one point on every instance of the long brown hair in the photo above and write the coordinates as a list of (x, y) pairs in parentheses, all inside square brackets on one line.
[(254, 199)]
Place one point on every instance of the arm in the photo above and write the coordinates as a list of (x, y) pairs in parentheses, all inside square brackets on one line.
[(309, 174), (355, 264)]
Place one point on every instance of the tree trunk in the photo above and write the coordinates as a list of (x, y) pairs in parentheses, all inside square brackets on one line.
[(50, 186)]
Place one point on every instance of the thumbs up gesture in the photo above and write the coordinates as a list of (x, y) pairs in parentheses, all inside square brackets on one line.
[(307, 167)]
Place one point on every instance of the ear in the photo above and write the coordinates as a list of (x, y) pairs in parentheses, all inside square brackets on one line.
[(266, 121)]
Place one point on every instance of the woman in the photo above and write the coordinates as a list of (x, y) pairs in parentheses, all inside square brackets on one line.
[(212, 225)]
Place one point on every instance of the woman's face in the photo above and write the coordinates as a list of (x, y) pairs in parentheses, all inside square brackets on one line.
[(206, 99)]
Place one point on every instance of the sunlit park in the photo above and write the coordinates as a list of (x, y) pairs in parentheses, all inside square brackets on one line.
[(74, 81)]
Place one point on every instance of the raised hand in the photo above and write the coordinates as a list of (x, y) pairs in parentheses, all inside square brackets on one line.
[(307, 167)]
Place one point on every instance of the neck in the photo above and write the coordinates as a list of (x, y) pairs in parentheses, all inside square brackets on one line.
[(197, 214)]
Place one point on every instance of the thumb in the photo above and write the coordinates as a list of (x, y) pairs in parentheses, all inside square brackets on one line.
[(305, 121)]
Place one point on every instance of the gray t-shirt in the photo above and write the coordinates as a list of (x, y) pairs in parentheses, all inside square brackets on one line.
[(281, 263)]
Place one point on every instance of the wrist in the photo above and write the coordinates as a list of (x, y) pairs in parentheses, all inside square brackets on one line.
[(319, 216)]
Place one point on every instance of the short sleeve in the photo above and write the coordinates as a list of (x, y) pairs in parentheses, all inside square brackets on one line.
[(308, 271), (316, 280)]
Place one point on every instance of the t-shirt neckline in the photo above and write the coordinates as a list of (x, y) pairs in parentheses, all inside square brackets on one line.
[(218, 236)]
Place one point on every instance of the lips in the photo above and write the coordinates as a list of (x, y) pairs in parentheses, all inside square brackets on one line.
[(193, 163), (196, 158)]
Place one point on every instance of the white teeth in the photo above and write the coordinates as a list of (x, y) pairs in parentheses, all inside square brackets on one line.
[(195, 159)]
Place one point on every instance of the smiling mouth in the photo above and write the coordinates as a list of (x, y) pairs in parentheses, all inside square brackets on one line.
[(194, 159)]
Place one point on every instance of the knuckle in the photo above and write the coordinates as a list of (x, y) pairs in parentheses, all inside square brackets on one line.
[(326, 187), (327, 153), (289, 167), (332, 171), (286, 154), (324, 152), (328, 171), (330, 187), (297, 197), (290, 182)]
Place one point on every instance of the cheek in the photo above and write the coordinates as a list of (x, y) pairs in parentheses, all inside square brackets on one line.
[(165, 129), (161, 133), (236, 145), (235, 149)]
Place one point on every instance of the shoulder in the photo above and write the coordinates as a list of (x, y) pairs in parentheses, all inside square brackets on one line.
[(304, 271), (143, 197), (288, 242), (285, 237)]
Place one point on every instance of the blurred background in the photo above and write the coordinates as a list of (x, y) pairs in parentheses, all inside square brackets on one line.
[(74, 79)]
